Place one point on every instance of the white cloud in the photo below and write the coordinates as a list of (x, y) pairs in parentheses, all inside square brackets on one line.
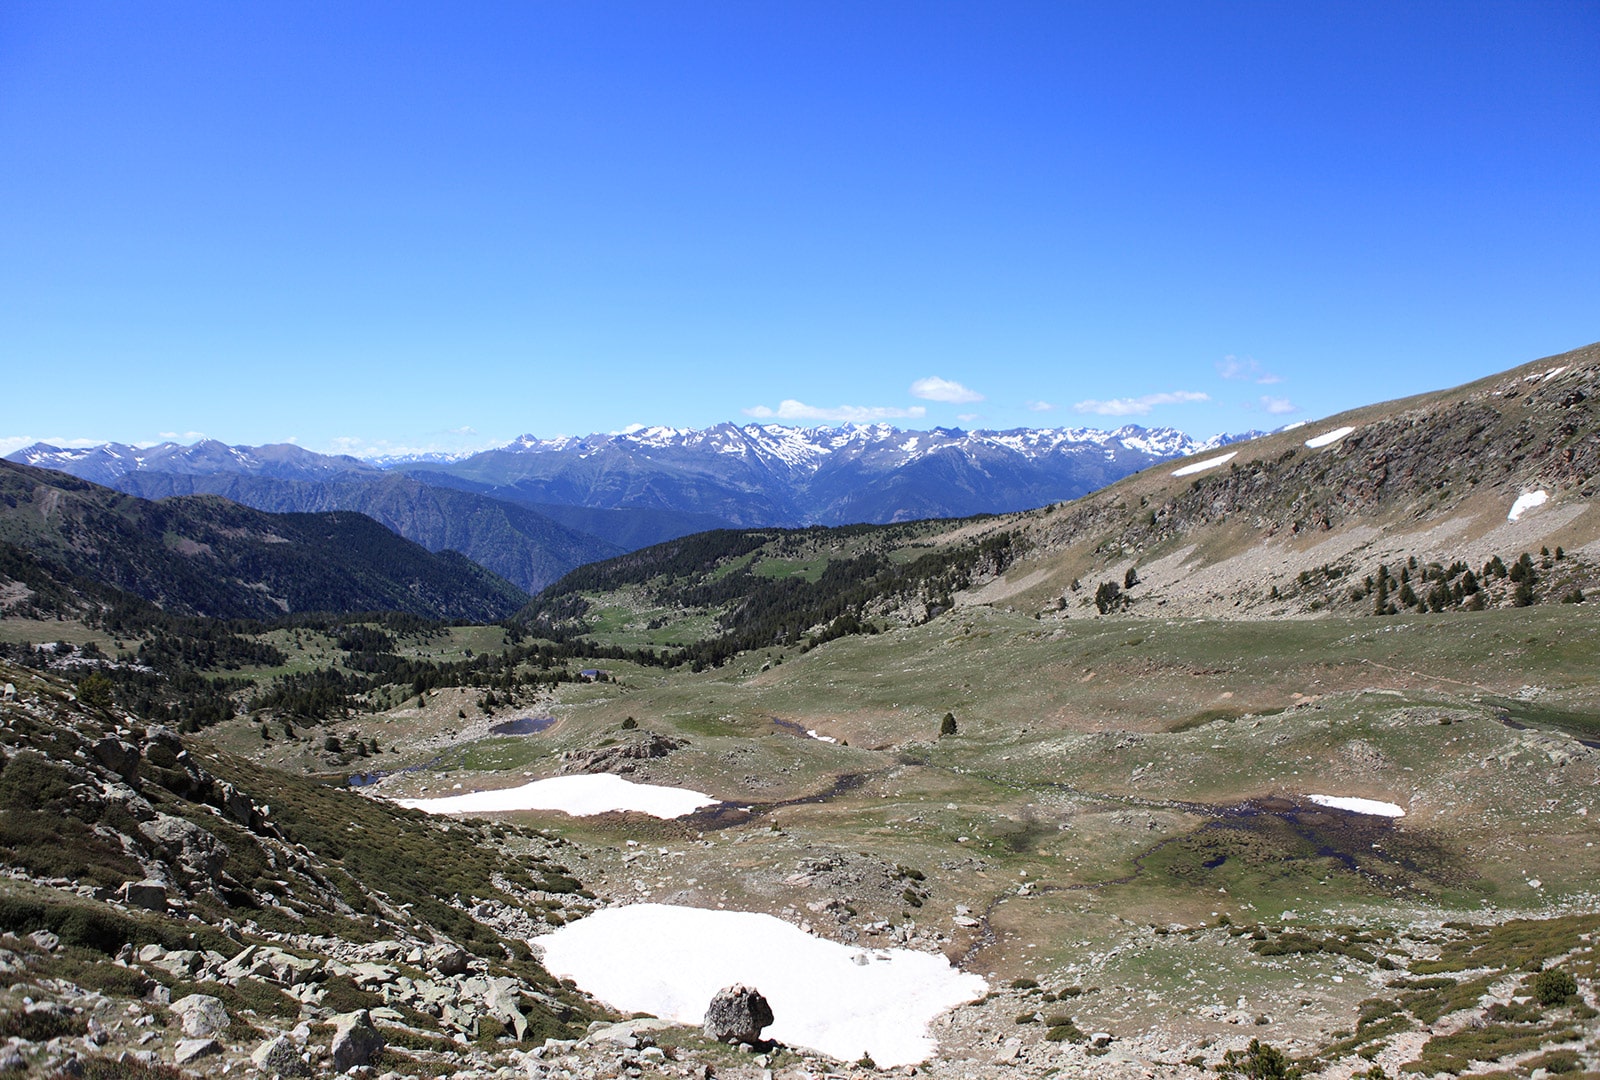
[(934, 388), (630, 429), (1278, 405), (1040, 406), (1139, 406), (1235, 367), (790, 409), (968, 417)]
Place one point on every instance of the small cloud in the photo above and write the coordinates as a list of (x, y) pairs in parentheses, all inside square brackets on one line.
[(968, 417), (1246, 368), (789, 409), (1277, 405), (464, 430), (934, 388), (629, 430), (1139, 406), (1040, 406)]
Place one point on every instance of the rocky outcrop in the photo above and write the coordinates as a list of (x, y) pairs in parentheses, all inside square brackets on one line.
[(621, 758)]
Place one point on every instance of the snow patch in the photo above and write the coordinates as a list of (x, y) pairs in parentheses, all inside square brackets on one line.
[(1202, 466), (1358, 806), (580, 796), (1527, 502), (811, 733), (1328, 438), (841, 1000)]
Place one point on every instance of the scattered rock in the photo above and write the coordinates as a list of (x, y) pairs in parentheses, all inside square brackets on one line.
[(737, 1014), (280, 1055), (190, 1049), (203, 1016), (355, 1040), (148, 894), (447, 959)]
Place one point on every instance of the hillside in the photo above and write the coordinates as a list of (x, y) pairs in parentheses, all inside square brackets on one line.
[(207, 556), (1312, 520), (527, 548), (1416, 500)]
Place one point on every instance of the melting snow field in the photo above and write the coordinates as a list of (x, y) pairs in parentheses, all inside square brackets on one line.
[(579, 796), (1202, 466), (1328, 438), (1358, 806), (1527, 502), (838, 999)]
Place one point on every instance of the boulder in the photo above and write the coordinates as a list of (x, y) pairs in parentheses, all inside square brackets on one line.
[(737, 1014), (203, 1016), (355, 1040), (120, 757), (281, 1056), (148, 894), (190, 1049), (447, 959)]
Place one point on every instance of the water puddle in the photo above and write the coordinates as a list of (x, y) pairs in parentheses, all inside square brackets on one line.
[(526, 725)]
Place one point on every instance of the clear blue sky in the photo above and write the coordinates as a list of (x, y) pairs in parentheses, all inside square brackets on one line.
[(442, 225)]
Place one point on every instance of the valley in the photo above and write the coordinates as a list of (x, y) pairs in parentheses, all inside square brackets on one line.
[(1282, 765)]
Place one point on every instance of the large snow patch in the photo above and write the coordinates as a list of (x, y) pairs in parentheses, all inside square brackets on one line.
[(1202, 466), (838, 999), (1527, 502), (579, 796), (1358, 806)]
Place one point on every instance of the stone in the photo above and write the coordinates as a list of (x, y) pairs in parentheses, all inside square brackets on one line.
[(447, 959), (190, 1049), (203, 1016), (120, 757), (148, 894), (355, 1040), (280, 1055), (737, 1014)]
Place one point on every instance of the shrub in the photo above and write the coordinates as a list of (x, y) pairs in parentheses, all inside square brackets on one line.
[(1554, 987), (947, 726), (1261, 1061)]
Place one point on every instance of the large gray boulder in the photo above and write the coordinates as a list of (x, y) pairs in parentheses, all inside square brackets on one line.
[(355, 1040), (203, 1016), (737, 1014), (280, 1056)]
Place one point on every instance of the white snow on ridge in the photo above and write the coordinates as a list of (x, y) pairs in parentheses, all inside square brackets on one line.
[(1358, 806), (1328, 438), (1527, 502), (839, 999), (580, 796), (1202, 466)]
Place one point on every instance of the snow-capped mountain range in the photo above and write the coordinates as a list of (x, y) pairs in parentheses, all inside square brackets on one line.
[(756, 474), (535, 508)]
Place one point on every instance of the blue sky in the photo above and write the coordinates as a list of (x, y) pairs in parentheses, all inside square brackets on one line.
[(386, 226)]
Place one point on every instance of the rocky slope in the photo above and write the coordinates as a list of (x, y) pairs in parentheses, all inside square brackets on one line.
[(1320, 518)]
